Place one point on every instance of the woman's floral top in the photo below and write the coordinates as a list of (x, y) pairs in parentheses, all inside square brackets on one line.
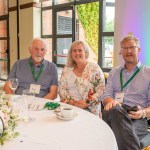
[(90, 85)]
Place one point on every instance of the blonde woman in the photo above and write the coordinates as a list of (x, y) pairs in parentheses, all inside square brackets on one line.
[(82, 82)]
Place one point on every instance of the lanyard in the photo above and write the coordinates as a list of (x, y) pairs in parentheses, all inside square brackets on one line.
[(36, 77), (121, 80)]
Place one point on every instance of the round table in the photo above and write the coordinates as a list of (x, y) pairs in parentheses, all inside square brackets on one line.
[(85, 132)]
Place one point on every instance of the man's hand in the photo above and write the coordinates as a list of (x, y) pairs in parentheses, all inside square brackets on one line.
[(111, 104), (136, 114)]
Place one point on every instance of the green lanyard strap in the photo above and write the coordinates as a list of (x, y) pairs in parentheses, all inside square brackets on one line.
[(121, 79), (36, 77)]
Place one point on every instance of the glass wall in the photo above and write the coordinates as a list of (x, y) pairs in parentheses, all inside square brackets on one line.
[(91, 21), (4, 37), (88, 21), (106, 38)]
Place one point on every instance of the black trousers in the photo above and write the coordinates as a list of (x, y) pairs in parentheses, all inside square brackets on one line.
[(128, 132)]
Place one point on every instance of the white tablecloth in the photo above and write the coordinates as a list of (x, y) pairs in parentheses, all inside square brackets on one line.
[(85, 132)]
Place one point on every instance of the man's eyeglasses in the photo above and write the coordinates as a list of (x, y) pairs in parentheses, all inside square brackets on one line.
[(130, 48)]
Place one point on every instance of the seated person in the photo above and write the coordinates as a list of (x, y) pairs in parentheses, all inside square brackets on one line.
[(82, 83), (127, 86), (36, 72)]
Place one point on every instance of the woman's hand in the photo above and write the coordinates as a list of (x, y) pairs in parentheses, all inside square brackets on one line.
[(81, 104)]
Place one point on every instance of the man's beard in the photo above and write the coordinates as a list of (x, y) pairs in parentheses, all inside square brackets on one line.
[(131, 61), (38, 59)]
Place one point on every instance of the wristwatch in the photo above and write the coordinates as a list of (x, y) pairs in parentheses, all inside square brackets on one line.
[(144, 113)]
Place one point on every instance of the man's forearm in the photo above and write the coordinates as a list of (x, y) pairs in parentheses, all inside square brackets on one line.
[(7, 88), (50, 96)]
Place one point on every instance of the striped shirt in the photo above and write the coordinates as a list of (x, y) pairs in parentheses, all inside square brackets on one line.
[(137, 92)]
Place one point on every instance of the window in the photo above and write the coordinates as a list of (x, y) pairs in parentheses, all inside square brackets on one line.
[(89, 20), (106, 37), (64, 25), (4, 40)]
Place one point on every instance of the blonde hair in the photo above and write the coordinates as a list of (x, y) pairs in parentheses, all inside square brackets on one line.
[(129, 37), (70, 61)]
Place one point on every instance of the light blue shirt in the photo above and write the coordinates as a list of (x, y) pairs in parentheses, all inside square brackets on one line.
[(22, 71), (137, 92)]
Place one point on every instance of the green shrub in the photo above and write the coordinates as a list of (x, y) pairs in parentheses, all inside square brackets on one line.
[(89, 16)]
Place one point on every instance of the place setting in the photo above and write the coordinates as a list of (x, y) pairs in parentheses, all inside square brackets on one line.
[(65, 113)]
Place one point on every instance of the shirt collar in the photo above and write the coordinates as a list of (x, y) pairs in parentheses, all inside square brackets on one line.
[(137, 66)]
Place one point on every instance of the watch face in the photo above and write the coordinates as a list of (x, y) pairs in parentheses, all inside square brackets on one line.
[(1, 127)]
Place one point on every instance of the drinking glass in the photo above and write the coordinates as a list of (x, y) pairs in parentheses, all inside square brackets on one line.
[(29, 100), (2, 93), (19, 108), (13, 84), (1, 127)]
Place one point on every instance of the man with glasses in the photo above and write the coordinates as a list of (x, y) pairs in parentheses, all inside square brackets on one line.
[(126, 98)]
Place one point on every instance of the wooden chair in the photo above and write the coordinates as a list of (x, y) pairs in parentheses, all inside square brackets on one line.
[(146, 148)]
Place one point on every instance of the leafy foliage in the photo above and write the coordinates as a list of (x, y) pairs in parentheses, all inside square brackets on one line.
[(89, 17)]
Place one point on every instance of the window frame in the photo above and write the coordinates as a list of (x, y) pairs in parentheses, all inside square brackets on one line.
[(5, 17), (103, 34), (102, 6)]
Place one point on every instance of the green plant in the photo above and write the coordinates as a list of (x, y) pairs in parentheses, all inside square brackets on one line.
[(89, 16), (110, 27)]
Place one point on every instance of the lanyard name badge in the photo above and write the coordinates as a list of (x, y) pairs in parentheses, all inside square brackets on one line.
[(121, 78), (119, 96), (35, 88), (36, 76)]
